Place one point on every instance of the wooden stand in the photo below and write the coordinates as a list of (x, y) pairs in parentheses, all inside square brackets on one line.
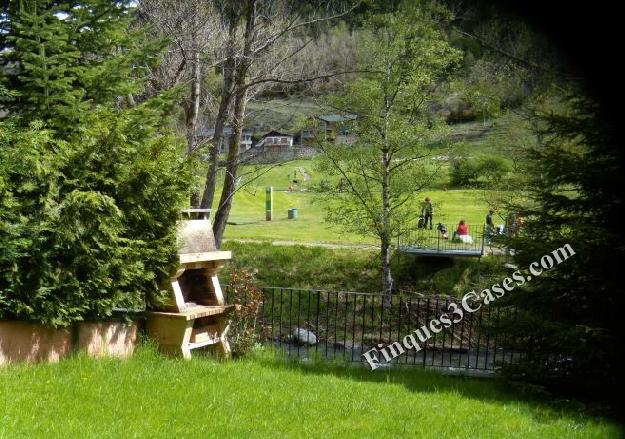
[(179, 333), (197, 315)]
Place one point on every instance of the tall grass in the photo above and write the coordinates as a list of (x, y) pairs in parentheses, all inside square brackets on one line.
[(354, 269)]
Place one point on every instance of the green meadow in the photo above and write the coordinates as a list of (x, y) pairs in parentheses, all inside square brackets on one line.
[(247, 218)]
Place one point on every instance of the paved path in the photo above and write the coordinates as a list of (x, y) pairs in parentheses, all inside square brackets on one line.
[(306, 244), (487, 250)]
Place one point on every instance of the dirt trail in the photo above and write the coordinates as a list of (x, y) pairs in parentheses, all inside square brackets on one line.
[(304, 172)]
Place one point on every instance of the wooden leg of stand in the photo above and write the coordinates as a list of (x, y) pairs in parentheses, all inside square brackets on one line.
[(171, 334), (223, 347)]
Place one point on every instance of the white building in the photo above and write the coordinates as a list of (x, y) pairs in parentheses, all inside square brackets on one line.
[(275, 142), (244, 144)]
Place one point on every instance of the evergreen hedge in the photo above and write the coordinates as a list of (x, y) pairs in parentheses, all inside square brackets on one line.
[(90, 184), (89, 224)]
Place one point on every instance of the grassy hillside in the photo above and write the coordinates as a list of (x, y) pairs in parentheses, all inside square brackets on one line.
[(354, 269), (502, 137)]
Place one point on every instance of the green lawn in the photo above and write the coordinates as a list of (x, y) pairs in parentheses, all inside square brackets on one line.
[(247, 217), (149, 396)]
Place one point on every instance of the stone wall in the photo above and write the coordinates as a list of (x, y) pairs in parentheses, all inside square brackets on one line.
[(255, 157)]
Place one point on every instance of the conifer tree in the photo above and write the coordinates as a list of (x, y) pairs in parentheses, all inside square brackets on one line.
[(568, 319), (44, 66), (90, 183), (63, 59)]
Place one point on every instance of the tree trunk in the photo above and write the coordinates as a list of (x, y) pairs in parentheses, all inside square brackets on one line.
[(385, 241), (220, 122), (387, 278), (385, 238), (193, 111), (240, 101), (213, 161), (194, 103), (232, 165)]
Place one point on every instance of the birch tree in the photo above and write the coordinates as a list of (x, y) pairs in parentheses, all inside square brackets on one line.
[(383, 172)]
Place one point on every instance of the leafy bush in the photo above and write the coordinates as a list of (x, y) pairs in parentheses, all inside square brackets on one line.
[(493, 168), (87, 224), (468, 172), (464, 172), (244, 292)]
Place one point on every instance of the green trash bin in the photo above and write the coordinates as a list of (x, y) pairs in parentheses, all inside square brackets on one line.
[(292, 213)]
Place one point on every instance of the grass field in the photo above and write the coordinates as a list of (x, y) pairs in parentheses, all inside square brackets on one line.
[(149, 397), (247, 218)]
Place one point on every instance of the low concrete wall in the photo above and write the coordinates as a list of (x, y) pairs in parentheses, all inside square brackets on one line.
[(30, 342), (254, 156), (109, 339)]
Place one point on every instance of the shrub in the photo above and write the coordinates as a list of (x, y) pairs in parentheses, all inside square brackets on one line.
[(464, 172), (468, 172), (87, 224), (493, 168), (244, 292)]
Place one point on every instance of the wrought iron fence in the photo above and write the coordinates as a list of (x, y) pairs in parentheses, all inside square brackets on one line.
[(347, 324)]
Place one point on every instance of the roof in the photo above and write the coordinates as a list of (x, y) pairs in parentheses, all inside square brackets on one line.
[(337, 117), (277, 133), (210, 132)]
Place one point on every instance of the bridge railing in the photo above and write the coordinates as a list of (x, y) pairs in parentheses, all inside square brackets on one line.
[(445, 240)]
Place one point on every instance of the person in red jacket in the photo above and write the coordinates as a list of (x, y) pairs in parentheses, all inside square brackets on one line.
[(462, 233), (463, 229)]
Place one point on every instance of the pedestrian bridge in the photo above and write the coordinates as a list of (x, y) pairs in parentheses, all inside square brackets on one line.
[(433, 242)]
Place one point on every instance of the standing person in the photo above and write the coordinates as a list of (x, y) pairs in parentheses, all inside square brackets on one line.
[(426, 212), (490, 227)]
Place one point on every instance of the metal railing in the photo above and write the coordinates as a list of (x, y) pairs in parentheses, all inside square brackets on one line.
[(444, 240), (347, 324)]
